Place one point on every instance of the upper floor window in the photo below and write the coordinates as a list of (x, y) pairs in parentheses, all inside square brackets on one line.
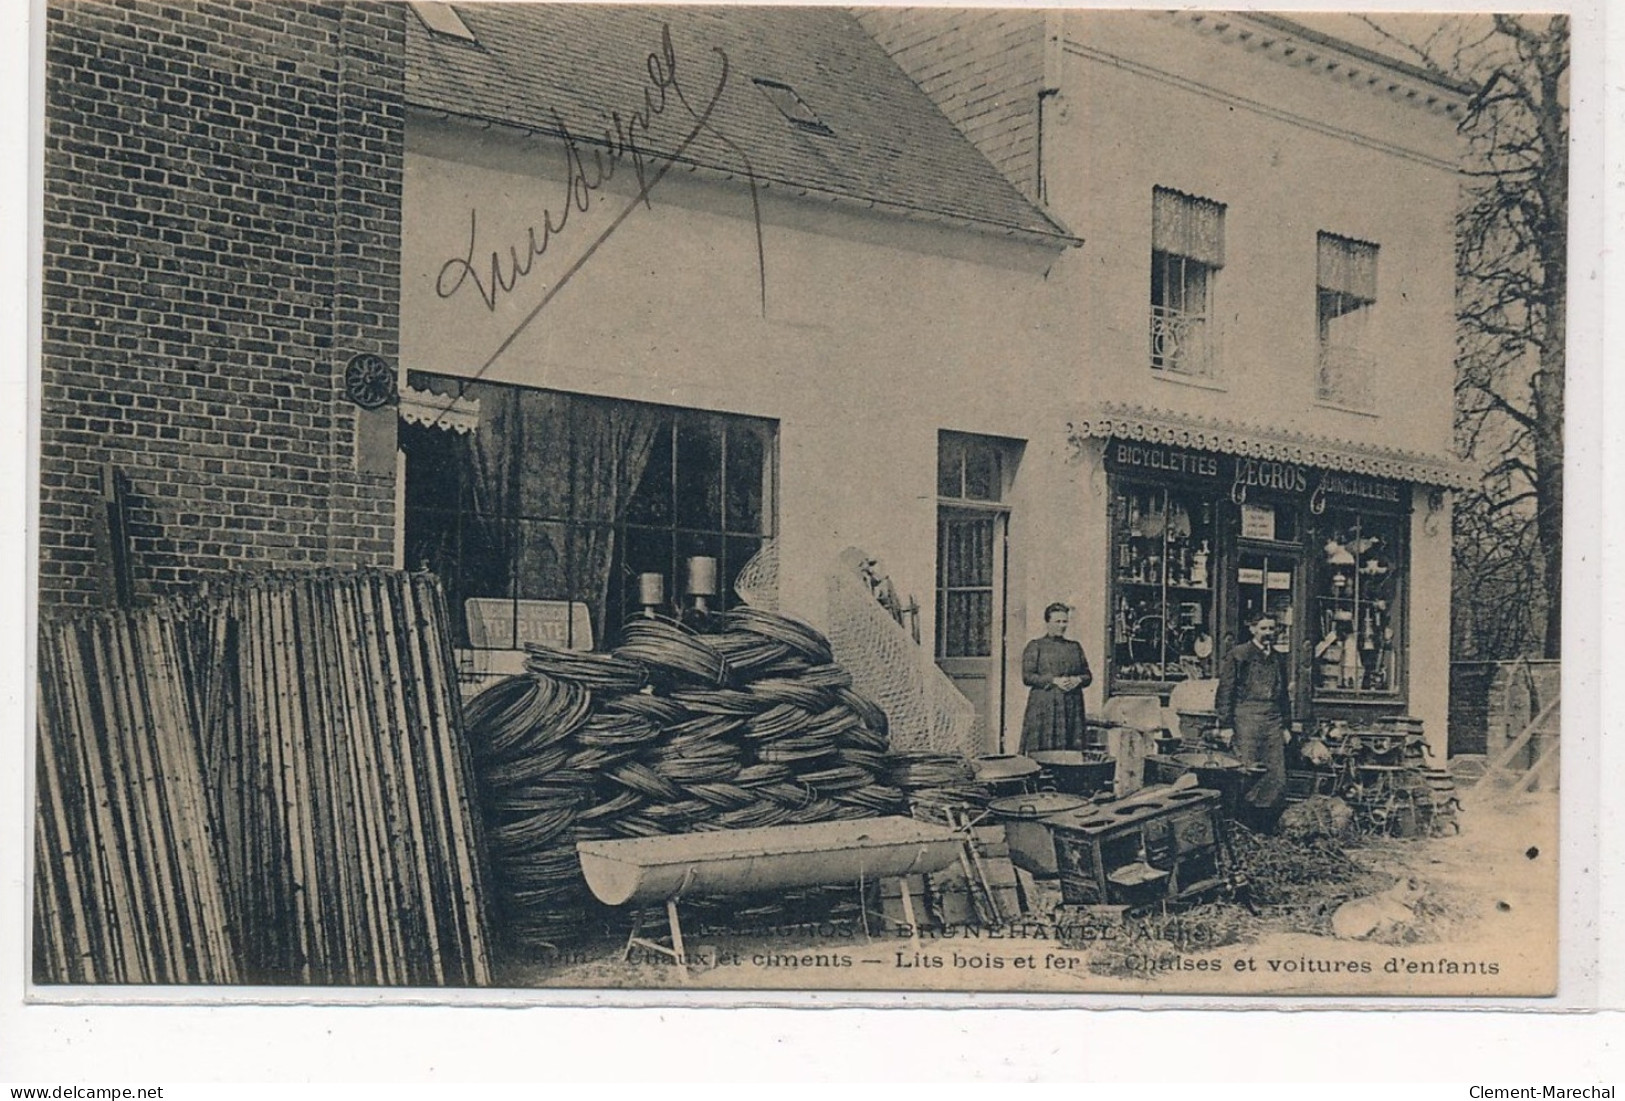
[(1345, 294), (1187, 251)]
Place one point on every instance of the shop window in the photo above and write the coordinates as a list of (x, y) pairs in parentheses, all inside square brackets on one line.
[(1346, 296), (1164, 562), (1358, 592), (1187, 251), (540, 520)]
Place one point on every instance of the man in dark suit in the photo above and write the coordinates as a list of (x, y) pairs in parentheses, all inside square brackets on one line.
[(1254, 706)]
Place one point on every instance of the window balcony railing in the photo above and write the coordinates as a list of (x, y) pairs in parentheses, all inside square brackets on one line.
[(1182, 342), (1344, 376)]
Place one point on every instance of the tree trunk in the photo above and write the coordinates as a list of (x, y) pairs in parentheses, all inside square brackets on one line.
[(1549, 480), (1548, 388)]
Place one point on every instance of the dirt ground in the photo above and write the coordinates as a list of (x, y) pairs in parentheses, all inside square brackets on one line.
[(1472, 914)]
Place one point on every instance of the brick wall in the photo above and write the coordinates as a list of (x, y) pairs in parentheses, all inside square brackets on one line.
[(983, 68), (221, 234), (1492, 701)]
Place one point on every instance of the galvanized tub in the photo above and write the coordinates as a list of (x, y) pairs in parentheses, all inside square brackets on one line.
[(1032, 845), (721, 862)]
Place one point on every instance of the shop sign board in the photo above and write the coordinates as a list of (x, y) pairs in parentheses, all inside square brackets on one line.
[(1245, 476), (1133, 456), (1257, 522)]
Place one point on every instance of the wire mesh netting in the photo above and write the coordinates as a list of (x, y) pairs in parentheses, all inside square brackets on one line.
[(926, 711), (758, 580)]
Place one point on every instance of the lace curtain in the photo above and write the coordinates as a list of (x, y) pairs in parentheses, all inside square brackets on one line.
[(1347, 267), (550, 478), (1185, 225)]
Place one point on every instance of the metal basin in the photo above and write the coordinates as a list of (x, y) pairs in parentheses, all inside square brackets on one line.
[(721, 862), (1075, 772), (1006, 773), (1212, 759)]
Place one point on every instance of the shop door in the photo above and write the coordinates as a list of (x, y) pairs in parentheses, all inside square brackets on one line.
[(970, 608), (1271, 580)]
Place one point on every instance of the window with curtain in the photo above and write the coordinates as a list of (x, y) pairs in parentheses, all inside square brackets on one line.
[(973, 473), (1187, 251), (539, 520), (1345, 297)]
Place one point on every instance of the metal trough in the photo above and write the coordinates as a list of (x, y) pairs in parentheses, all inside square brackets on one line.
[(722, 862)]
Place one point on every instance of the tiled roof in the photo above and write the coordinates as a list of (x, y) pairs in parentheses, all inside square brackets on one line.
[(887, 146)]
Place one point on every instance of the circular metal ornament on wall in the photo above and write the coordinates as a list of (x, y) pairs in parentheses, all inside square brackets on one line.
[(369, 381)]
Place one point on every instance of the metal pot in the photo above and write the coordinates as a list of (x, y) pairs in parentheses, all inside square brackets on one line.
[(1075, 772), (1006, 774), (1032, 846)]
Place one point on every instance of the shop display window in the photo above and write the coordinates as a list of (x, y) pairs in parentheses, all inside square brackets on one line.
[(1164, 561), (1358, 592), (540, 520)]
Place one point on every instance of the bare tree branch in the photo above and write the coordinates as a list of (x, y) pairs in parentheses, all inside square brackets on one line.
[(1511, 267)]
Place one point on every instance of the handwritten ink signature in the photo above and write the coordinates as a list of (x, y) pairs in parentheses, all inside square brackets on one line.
[(585, 174), (621, 143)]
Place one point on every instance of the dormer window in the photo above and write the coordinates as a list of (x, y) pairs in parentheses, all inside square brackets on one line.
[(442, 19), (791, 105)]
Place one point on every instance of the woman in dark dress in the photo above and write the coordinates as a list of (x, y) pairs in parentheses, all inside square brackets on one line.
[(1055, 672)]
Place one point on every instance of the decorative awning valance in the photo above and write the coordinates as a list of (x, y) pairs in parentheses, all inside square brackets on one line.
[(1134, 422), (1347, 267), (1187, 225), (431, 410)]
